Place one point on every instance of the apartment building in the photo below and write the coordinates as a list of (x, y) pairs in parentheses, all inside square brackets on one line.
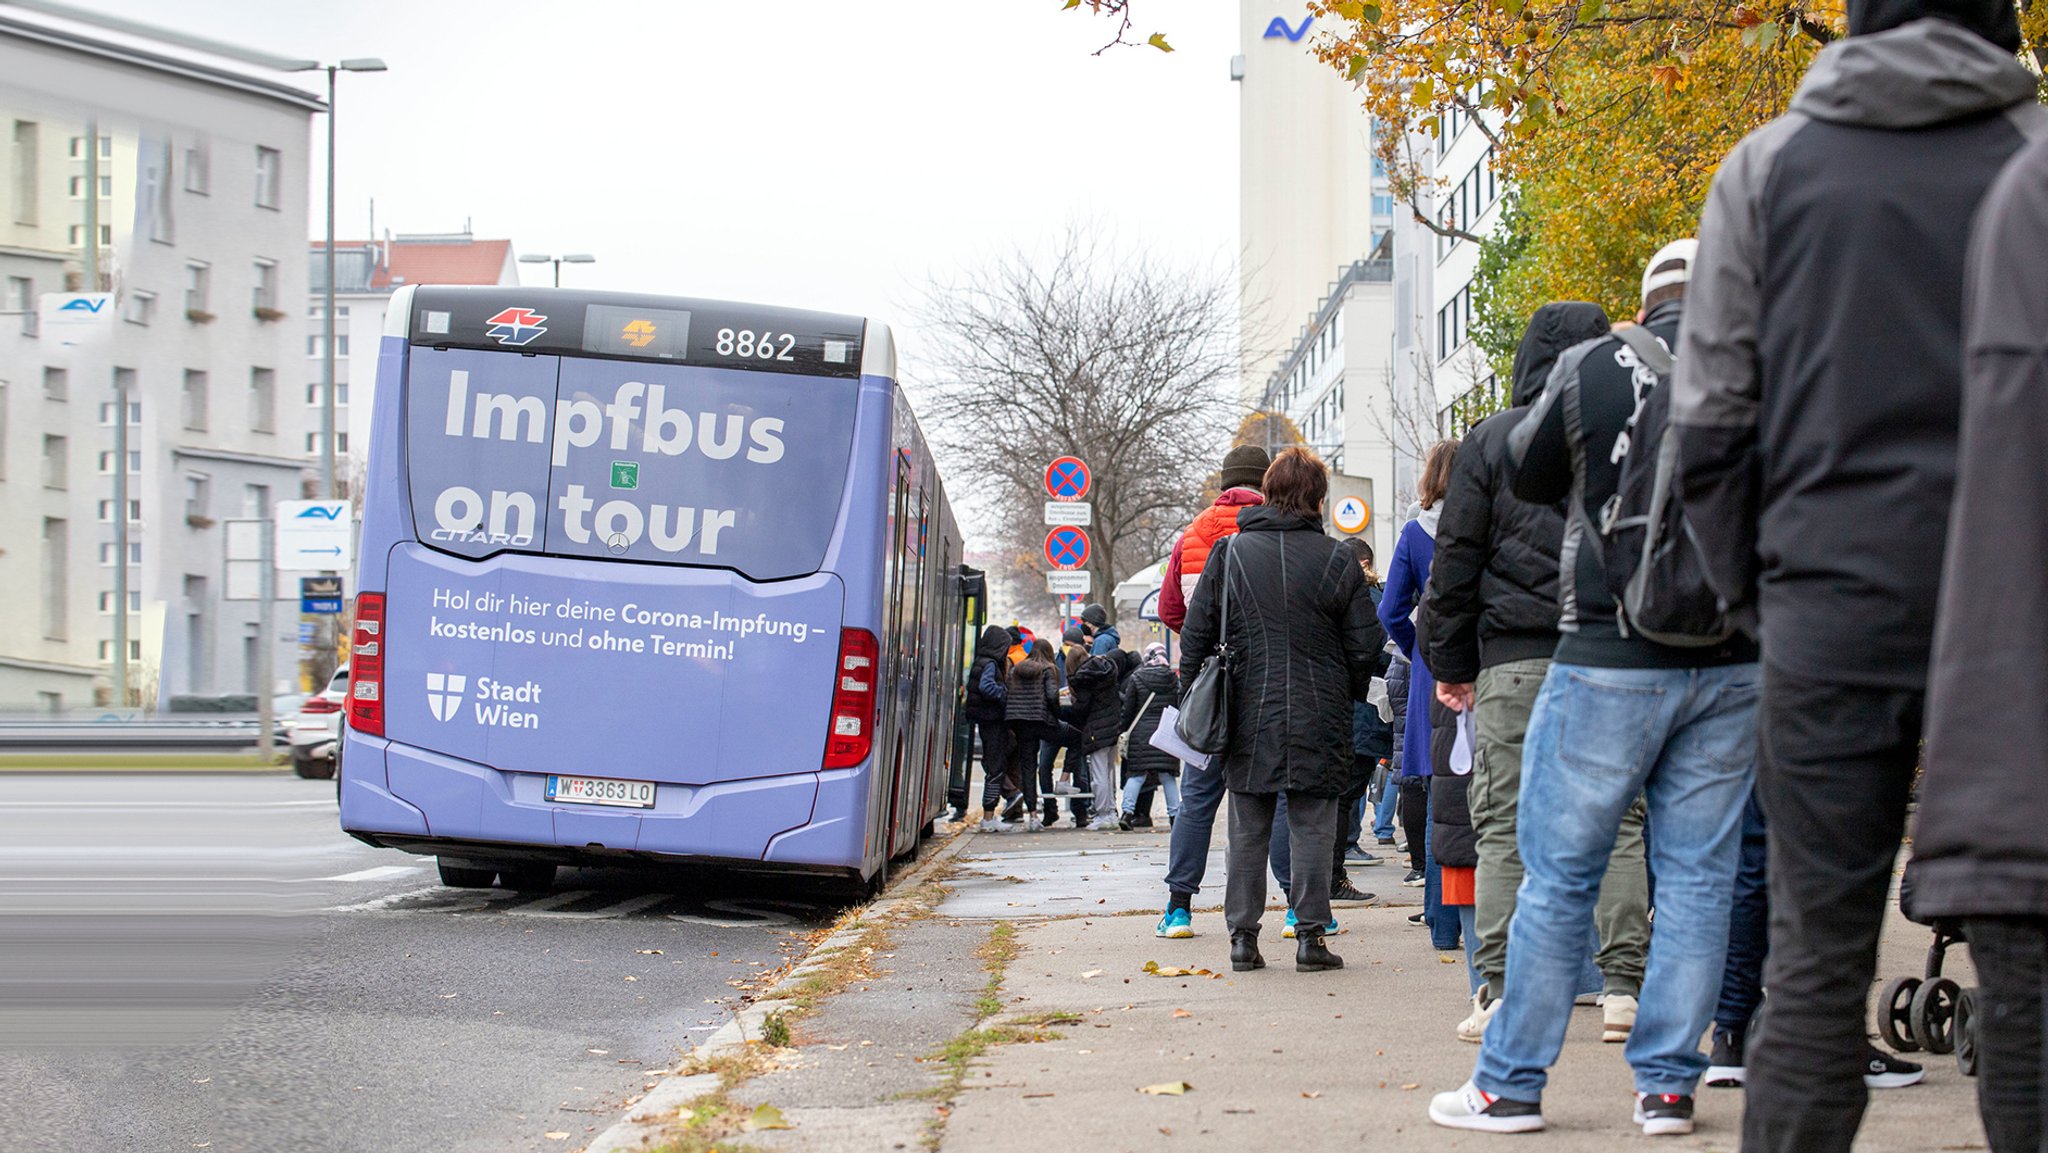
[(196, 173)]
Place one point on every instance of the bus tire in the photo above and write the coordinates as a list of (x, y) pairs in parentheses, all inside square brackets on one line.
[(526, 876), (465, 876)]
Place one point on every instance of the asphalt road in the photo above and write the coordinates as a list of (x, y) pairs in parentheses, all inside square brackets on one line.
[(206, 962)]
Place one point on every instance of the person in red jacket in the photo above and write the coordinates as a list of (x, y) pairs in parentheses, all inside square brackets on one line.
[(1243, 468)]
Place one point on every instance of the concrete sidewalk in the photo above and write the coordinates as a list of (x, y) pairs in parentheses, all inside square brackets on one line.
[(1279, 1059)]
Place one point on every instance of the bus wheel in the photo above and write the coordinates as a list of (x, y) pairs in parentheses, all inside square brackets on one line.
[(526, 876), (462, 876)]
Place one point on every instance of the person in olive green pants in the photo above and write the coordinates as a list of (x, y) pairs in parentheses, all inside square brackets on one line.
[(1504, 695)]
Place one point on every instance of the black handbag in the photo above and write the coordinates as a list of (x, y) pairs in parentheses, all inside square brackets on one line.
[(1204, 721)]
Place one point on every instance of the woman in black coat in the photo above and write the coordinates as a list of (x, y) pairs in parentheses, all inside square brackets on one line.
[(1302, 645), (1147, 694)]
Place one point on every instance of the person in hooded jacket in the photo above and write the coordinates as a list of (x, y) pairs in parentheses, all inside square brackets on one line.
[(1980, 845), (1815, 408), (987, 688), (1491, 612), (1302, 645), (1031, 709), (1147, 694), (1098, 706)]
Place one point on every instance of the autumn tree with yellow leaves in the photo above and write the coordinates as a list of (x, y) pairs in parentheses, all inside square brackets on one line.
[(1608, 117)]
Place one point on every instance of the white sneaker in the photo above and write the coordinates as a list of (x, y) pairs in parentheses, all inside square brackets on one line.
[(1064, 787), (1473, 1028), (1102, 825), (995, 825), (1617, 1018), (1466, 1107), (1664, 1115), (1034, 825)]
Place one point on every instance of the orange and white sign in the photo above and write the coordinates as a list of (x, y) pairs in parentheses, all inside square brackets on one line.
[(1350, 515)]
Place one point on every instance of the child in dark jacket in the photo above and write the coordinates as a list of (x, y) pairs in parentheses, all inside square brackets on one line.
[(1031, 712)]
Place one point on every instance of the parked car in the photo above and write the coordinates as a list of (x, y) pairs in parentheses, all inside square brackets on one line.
[(315, 730)]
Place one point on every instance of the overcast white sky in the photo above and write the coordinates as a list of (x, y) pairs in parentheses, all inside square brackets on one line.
[(823, 154)]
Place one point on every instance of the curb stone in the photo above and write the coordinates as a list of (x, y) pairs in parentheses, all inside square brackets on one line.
[(648, 1117)]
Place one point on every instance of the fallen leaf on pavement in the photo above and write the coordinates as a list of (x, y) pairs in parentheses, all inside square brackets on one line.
[(599, 1052), (1446, 959), (1170, 971), (837, 1048), (1091, 973), (556, 1135), (648, 952), (1178, 1013), (1410, 1085), (1029, 1096), (766, 1117), (1169, 1089), (1311, 1096), (632, 978)]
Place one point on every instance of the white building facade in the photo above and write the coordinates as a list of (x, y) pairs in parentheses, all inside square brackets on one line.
[(202, 218)]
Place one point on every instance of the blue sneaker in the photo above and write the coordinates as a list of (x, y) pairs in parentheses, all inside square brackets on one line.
[(1329, 930), (1175, 925)]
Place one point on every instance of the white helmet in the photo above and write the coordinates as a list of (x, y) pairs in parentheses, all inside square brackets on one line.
[(1680, 250)]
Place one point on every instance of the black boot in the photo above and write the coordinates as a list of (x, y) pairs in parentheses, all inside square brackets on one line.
[(1244, 951), (1309, 954)]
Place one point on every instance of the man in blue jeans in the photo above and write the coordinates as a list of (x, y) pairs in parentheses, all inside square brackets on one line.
[(1617, 714)]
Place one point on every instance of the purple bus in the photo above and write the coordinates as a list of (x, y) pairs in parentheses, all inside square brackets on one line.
[(647, 579)]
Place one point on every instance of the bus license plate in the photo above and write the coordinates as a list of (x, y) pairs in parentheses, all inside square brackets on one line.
[(601, 791)]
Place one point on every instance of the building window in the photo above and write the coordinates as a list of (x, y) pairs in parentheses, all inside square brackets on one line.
[(56, 383), (56, 577), (255, 500), (106, 509), (134, 650), (56, 462), (198, 278), (78, 147), (78, 188), (108, 411), (21, 298), (262, 400), (340, 394), (194, 397), (265, 296), (198, 495), (134, 462), (315, 343), (76, 233), (107, 553), (27, 171), (269, 169), (198, 172), (107, 602), (139, 307), (1454, 323)]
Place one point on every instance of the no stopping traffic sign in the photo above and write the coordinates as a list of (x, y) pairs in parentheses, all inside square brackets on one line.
[(1067, 478), (1066, 547)]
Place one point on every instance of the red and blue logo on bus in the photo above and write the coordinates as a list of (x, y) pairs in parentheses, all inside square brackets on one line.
[(516, 326)]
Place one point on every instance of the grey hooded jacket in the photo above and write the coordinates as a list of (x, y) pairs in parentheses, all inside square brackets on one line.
[(1816, 396), (1981, 845)]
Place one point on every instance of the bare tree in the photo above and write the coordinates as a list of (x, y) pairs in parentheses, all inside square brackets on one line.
[(1106, 354)]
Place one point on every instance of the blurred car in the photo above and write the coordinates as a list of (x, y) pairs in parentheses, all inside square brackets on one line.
[(315, 730)]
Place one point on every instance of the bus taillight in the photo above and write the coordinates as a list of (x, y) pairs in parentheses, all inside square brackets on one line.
[(366, 667), (853, 700)]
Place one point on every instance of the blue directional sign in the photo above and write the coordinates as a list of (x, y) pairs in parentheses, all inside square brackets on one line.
[(1067, 478), (1066, 547)]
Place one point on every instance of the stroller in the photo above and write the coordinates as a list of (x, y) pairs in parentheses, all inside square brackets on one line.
[(1930, 1012)]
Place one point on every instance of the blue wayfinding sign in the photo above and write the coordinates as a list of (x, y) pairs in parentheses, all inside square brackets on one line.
[(320, 595)]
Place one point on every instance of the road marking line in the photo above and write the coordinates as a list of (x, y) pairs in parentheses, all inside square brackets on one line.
[(384, 902), (623, 908), (376, 874), (552, 901)]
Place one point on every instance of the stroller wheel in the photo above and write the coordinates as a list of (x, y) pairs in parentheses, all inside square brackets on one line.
[(1895, 1015), (1934, 1015), (1966, 1032)]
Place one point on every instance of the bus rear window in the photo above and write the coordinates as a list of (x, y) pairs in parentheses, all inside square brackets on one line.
[(626, 460)]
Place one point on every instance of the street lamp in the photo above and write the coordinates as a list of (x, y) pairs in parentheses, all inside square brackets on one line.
[(558, 261), (357, 64)]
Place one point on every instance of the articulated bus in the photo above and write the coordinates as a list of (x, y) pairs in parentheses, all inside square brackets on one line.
[(647, 579)]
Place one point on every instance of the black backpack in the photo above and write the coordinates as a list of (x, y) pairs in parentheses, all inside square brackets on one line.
[(1655, 567)]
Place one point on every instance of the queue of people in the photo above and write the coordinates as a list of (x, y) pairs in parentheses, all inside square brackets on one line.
[(1664, 647)]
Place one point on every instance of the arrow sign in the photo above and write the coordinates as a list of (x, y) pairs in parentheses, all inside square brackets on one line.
[(1067, 478), (1066, 547), (313, 534)]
